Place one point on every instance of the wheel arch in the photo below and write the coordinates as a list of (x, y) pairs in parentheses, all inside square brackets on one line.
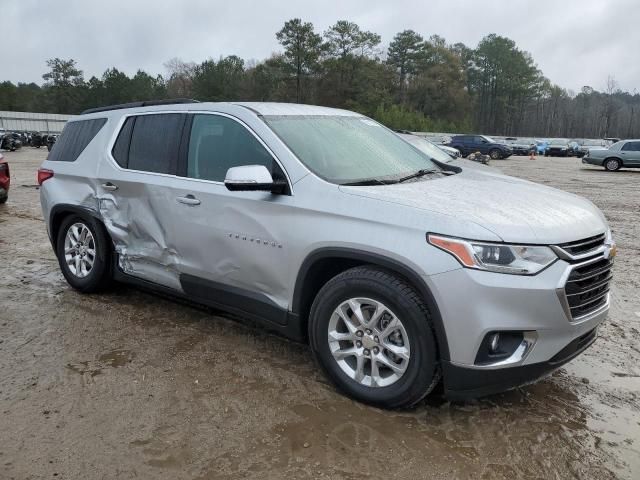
[(59, 212), (323, 264), (613, 157)]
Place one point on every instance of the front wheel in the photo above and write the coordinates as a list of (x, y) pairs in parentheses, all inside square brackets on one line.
[(494, 154), (372, 334), (612, 164), (84, 250)]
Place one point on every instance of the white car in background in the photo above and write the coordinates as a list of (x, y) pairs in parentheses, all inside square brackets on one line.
[(435, 151)]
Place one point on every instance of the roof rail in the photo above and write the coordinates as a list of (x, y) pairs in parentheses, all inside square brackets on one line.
[(146, 103)]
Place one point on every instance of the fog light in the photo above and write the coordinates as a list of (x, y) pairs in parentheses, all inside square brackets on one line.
[(493, 343), (498, 346)]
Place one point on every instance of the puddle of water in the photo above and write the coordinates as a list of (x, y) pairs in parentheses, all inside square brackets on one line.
[(83, 367), (521, 433), (116, 358)]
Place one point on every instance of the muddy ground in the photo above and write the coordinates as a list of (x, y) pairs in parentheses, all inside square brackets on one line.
[(129, 385)]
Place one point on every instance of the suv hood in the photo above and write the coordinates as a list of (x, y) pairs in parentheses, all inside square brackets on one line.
[(515, 210)]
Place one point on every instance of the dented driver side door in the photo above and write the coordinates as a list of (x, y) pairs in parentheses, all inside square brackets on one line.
[(134, 185), (231, 244)]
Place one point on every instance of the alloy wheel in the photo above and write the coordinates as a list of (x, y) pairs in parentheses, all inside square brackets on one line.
[(369, 342), (79, 250)]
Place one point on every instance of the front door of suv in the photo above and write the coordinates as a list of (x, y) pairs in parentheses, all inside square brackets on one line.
[(231, 243)]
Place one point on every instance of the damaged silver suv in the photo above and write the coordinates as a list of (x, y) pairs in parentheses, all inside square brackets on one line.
[(400, 269)]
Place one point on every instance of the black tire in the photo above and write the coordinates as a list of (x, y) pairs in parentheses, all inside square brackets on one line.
[(612, 164), (100, 276), (4, 199), (422, 373), (495, 154)]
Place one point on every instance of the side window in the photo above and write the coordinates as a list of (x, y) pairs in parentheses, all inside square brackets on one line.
[(633, 146), (479, 139), (155, 142), (74, 139), (121, 148), (218, 143)]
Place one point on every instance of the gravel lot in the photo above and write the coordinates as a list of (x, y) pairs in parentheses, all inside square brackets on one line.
[(130, 385)]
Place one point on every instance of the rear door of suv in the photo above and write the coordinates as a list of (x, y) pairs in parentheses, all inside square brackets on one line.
[(134, 189)]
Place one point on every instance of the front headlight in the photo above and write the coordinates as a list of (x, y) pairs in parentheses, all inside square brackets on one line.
[(496, 257)]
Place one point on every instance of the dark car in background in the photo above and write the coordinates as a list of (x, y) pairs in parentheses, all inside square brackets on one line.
[(468, 144), (10, 141), (51, 140), (575, 149), (557, 148), (520, 146), (5, 179)]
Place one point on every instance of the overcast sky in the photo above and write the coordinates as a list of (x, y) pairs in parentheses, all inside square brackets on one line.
[(574, 42)]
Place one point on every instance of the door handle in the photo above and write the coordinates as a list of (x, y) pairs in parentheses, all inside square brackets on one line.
[(109, 186), (189, 200)]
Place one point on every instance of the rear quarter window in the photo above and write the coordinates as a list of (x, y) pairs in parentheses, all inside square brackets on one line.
[(74, 139)]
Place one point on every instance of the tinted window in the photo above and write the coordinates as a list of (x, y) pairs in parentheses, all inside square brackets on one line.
[(634, 146), (74, 139), (121, 149), (218, 143), (155, 142)]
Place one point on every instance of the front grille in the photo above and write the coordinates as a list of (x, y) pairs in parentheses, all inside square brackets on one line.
[(587, 287), (582, 246)]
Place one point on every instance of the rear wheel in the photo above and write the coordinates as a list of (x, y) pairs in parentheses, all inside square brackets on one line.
[(84, 251), (372, 335), (612, 164), (494, 154)]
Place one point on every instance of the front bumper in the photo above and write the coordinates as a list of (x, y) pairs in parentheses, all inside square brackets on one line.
[(592, 161), (464, 383), (474, 303)]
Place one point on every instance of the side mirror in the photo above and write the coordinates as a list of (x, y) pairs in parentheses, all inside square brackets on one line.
[(251, 178)]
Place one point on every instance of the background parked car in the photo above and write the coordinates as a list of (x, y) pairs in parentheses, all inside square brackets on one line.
[(435, 151), (575, 149), (557, 148), (453, 152), (520, 146), (5, 179), (51, 140), (10, 142), (37, 140), (621, 154), (541, 146), (468, 144)]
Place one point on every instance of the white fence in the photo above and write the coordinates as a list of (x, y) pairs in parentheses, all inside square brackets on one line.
[(32, 122)]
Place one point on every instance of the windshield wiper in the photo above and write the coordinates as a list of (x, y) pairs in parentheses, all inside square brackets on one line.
[(419, 173), (368, 181)]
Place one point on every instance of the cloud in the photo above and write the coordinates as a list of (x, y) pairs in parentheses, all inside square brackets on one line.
[(574, 42)]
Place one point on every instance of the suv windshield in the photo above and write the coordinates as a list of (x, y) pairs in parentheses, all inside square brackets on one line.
[(489, 139), (348, 149)]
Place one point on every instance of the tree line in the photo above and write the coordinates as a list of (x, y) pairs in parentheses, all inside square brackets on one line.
[(416, 83)]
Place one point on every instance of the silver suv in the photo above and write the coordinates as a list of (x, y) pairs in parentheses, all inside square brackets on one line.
[(399, 268)]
